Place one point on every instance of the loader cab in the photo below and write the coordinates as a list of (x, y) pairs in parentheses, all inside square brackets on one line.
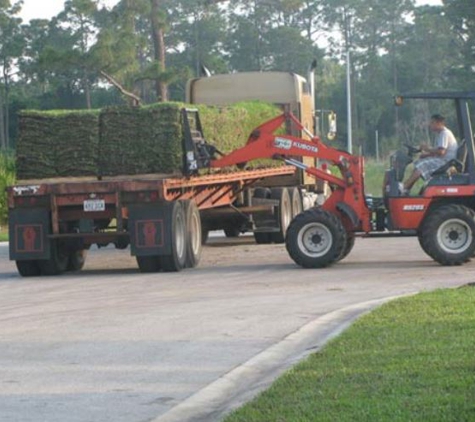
[(460, 171), (452, 184)]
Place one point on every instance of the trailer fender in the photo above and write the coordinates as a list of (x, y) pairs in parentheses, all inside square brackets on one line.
[(28, 234), (150, 229), (348, 212)]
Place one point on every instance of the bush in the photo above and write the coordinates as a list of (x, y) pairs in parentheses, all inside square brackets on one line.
[(7, 178)]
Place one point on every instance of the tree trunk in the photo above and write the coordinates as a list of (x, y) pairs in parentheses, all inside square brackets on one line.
[(159, 48), (2, 123)]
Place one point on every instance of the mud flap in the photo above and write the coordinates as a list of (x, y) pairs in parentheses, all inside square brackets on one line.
[(150, 229), (28, 234)]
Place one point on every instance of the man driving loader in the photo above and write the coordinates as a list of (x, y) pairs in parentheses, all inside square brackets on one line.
[(432, 159)]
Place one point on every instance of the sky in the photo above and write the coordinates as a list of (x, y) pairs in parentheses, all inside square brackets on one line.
[(45, 9)]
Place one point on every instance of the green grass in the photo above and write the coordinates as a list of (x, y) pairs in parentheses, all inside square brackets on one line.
[(411, 360)]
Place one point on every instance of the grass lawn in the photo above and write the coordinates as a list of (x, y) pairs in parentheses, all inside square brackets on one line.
[(411, 360)]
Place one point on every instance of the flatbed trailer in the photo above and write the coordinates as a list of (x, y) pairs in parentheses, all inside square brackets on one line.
[(52, 223)]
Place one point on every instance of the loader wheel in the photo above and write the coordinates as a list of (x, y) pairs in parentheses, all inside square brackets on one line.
[(58, 263), (77, 259), (350, 242), (149, 264), (284, 213), (28, 268), (177, 259), (297, 204), (447, 234), (193, 235), (316, 239)]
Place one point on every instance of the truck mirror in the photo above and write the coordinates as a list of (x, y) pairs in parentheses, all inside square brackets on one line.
[(331, 135)]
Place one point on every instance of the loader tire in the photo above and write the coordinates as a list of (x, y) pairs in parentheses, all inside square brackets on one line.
[(28, 268), (350, 242), (194, 241), (176, 261), (447, 234), (316, 238)]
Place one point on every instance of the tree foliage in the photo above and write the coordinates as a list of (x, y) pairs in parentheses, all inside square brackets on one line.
[(149, 48)]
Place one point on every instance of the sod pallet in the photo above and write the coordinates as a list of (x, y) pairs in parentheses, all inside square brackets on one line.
[(57, 144), (149, 139), (141, 140)]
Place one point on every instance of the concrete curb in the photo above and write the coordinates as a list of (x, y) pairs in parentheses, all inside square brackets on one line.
[(247, 380), (3, 243)]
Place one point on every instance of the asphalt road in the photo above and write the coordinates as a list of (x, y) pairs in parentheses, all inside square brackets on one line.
[(111, 344)]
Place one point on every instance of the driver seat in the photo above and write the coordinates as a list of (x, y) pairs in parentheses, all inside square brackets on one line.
[(456, 165)]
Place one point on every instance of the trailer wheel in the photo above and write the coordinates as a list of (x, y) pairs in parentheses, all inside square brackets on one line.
[(262, 238), (297, 204), (58, 263), (28, 268), (284, 213), (178, 240), (194, 235), (204, 235), (149, 264), (232, 232), (448, 234), (316, 239), (77, 259)]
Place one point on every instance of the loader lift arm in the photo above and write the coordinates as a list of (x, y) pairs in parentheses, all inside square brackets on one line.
[(264, 143), (347, 198)]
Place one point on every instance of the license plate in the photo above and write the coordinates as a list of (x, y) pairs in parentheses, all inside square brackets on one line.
[(94, 205)]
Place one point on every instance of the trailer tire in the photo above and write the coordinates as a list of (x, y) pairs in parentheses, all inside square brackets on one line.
[(232, 232), (447, 234), (77, 259), (262, 238), (204, 236), (28, 268), (316, 238), (194, 235), (176, 261), (284, 213), (149, 264), (58, 262), (297, 203)]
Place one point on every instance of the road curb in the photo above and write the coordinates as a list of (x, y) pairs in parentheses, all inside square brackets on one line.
[(3, 243), (247, 380)]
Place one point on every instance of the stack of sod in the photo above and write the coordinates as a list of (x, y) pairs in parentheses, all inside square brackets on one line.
[(149, 139), (57, 144), (141, 140), (229, 127)]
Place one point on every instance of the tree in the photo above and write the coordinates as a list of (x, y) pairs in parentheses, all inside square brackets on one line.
[(11, 48)]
